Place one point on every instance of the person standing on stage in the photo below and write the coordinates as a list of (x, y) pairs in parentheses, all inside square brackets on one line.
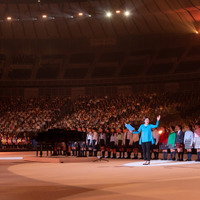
[(108, 135), (102, 141), (94, 141), (89, 141), (146, 138), (155, 148), (135, 145), (127, 142), (179, 142), (197, 140), (163, 142), (120, 142), (113, 142), (188, 141), (171, 143)]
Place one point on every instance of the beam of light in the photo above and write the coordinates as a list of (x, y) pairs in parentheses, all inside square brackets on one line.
[(197, 32), (160, 132)]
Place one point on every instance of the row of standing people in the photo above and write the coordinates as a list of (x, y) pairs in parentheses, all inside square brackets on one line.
[(177, 139), (14, 142), (123, 141), (111, 140)]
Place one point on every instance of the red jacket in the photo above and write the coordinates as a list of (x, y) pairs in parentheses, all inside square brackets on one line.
[(164, 138)]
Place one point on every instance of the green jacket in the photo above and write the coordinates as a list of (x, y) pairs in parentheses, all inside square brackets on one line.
[(171, 138)]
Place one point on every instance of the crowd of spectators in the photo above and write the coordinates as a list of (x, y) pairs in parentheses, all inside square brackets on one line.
[(114, 112), (19, 116)]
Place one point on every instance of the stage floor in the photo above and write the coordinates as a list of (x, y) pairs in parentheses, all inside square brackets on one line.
[(116, 179)]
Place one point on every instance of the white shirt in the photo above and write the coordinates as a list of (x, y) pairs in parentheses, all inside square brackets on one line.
[(89, 137), (113, 138), (128, 135), (95, 136), (102, 136)]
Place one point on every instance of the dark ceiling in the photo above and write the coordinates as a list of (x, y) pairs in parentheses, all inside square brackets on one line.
[(148, 17)]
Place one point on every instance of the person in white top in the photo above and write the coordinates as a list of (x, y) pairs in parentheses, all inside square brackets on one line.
[(94, 141), (113, 142), (197, 140), (120, 142), (127, 140), (135, 145), (89, 141), (188, 141)]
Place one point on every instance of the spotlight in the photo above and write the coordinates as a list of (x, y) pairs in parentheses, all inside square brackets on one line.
[(89, 15), (44, 16), (9, 18), (80, 14), (197, 32), (108, 14), (127, 13), (160, 132), (117, 11)]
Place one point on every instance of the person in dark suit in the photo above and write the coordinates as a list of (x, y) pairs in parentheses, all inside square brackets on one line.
[(179, 142)]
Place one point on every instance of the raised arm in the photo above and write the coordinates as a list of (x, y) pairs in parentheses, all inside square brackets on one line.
[(155, 126)]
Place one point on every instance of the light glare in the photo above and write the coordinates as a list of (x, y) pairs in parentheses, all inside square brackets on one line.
[(127, 13), (117, 11), (44, 16), (108, 14), (80, 14)]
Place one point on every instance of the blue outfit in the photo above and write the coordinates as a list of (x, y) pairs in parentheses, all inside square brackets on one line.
[(179, 137), (189, 136), (146, 135)]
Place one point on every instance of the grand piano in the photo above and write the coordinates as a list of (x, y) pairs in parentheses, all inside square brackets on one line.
[(49, 140)]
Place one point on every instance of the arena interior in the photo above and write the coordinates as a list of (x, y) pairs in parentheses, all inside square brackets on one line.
[(74, 73)]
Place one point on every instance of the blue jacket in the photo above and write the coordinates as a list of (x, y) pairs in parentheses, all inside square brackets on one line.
[(189, 136), (146, 135), (180, 137)]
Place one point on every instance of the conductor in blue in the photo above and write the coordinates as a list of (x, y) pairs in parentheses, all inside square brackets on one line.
[(146, 139)]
